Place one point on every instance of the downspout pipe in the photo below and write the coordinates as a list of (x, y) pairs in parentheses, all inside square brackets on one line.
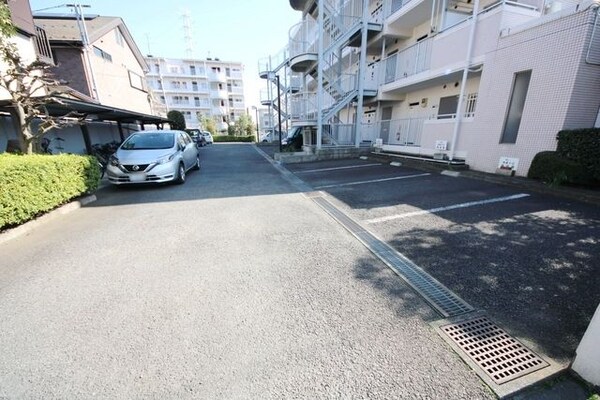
[(459, 112), (361, 74)]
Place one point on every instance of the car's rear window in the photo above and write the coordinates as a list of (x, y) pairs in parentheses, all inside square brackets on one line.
[(149, 141)]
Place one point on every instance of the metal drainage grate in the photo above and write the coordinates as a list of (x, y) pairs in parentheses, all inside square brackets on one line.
[(446, 302), (500, 356)]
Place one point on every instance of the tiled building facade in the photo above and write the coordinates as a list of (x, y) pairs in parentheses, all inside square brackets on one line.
[(393, 73)]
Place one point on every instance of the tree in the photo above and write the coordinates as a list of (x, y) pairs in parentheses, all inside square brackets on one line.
[(208, 124), (176, 120), (243, 126), (30, 89)]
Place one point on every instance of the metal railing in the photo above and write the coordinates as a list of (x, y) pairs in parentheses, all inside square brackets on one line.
[(303, 38), (339, 135), (404, 131), (408, 62), (303, 106)]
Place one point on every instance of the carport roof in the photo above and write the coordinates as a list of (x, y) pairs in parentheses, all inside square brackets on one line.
[(95, 112)]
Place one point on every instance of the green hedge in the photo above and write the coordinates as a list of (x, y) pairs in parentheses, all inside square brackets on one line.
[(33, 184), (581, 146), (551, 167), (230, 138)]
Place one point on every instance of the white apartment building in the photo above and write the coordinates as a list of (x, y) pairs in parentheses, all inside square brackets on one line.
[(488, 83), (197, 87)]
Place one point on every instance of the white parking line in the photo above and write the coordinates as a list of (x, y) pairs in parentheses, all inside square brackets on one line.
[(371, 181), (451, 207), (334, 168)]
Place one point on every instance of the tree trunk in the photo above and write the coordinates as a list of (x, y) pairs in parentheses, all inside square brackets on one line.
[(23, 129)]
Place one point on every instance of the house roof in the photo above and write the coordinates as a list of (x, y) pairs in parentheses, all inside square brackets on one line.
[(64, 28)]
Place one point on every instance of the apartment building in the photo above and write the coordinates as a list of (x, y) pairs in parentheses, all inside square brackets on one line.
[(488, 83), (197, 88)]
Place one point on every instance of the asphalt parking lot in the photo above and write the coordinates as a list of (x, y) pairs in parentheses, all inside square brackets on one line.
[(531, 261)]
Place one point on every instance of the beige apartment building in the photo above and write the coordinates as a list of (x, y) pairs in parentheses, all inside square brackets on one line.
[(484, 82), (197, 88)]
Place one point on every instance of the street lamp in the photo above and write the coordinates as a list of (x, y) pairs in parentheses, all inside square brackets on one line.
[(257, 127)]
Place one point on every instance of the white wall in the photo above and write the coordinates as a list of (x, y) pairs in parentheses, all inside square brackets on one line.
[(587, 360)]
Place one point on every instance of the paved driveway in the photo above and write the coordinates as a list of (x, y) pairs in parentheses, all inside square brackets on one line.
[(231, 286), (531, 261)]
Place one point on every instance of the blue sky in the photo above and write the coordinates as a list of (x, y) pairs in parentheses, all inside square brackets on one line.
[(232, 30)]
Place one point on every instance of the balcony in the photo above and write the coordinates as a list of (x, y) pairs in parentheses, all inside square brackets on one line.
[(218, 110), (303, 45), (219, 94), (442, 57), (236, 90), (214, 76)]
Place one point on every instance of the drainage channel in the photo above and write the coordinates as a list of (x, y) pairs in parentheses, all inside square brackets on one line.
[(501, 361), (442, 299)]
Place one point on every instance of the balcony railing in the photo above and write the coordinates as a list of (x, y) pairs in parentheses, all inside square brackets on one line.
[(217, 76), (303, 38), (408, 62), (404, 132), (219, 94), (236, 90)]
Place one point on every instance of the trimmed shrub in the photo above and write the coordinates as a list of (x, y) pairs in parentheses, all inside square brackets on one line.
[(230, 138), (555, 169), (33, 184), (581, 146)]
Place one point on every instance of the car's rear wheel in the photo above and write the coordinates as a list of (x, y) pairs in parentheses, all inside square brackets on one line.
[(180, 174), (197, 165)]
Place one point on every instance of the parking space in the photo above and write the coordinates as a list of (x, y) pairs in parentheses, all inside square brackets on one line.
[(531, 261)]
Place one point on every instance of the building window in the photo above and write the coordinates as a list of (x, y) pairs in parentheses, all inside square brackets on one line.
[(197, 101), (447, 108), (162, 99), (515, 107), (102, 54), (192, 70), (195, 86), (119, 37), (136, 81), (471, 103), (160, 86), (157, 68)]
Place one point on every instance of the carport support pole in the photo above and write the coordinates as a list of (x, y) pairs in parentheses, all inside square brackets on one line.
[(121, 134), (86, 138), (142, 126)]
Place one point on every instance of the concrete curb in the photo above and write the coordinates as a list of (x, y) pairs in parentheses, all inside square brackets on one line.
[(30, 226)]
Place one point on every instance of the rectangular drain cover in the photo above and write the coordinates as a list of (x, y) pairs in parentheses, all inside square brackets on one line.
[(500, 356)]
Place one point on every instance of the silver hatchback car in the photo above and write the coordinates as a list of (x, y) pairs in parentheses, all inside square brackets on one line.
[(153, 157)]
